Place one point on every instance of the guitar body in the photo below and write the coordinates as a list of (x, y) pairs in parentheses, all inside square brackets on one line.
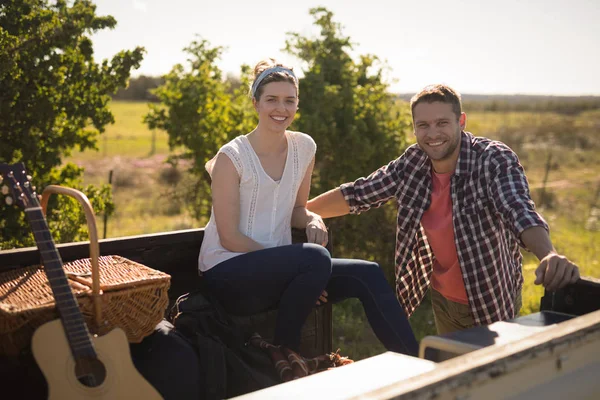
[(53, 355)]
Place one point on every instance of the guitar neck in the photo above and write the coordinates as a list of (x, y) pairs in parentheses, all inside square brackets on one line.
[(74, 325)]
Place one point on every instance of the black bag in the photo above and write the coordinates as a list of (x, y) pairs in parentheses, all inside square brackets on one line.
[(228, 365)]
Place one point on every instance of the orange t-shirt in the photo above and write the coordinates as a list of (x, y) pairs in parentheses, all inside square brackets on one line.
[(437, 222)]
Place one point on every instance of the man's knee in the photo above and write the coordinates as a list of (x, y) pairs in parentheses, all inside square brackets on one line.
[(370, 270)]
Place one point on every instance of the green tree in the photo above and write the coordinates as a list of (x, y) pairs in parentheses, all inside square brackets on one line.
[(201, 112), (346, 106), (54, 98)]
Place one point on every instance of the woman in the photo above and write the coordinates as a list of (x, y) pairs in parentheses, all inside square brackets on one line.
[(260, 186)]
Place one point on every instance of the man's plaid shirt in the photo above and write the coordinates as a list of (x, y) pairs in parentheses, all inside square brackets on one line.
[(491, 207)]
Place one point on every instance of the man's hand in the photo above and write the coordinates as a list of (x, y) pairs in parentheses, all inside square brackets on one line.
[(316, 231), (322, 298), (555, 272)]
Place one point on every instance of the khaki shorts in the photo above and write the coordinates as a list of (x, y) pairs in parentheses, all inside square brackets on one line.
[(451, 316)]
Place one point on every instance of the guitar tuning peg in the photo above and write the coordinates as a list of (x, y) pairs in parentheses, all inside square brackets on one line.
[(8, 200), (4, 189), (29, 178)]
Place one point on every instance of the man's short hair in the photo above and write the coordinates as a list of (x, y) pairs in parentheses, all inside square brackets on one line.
[(437, 92)]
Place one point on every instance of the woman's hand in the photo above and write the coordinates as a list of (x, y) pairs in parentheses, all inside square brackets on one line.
[(316, 231)]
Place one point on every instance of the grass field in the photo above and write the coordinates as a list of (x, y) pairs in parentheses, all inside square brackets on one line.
[(128, 137), (136, 157), (141, 188)]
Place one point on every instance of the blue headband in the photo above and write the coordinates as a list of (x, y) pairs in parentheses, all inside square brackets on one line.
[(268, 72)]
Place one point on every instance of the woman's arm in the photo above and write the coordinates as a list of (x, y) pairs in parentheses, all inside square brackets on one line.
[(226, 207), (316, 231)]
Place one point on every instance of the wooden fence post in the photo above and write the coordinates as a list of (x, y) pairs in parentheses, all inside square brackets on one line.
[(110, 175)]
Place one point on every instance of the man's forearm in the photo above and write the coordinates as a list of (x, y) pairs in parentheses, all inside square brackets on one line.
[(301, 217), (537, 240), (329, 204)]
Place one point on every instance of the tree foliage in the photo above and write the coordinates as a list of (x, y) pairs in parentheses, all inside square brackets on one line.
[(345, 105), (54, 99), (201, 112)]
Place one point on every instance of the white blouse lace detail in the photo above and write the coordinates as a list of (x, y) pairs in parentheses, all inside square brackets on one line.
[(248, 150), (234, 157), (296, 164)]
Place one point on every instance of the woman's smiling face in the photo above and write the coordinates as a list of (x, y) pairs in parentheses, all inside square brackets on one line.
[(277, 105)]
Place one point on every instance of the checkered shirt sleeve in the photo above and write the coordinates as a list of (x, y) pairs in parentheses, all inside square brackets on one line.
[(374, 190), (509, 191)]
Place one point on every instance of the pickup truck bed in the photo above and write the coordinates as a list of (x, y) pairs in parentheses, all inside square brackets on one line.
[(545, 365), (176, 253)]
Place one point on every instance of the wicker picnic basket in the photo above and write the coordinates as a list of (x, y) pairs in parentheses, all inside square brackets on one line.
[(112, 291)]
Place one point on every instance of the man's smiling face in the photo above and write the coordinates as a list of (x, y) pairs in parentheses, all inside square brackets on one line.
[(438, 129)]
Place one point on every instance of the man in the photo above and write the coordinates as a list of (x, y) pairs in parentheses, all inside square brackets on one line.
[(463, 211)]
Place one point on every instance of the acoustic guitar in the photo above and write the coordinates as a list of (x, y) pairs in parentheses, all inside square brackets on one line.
[(75, 364)]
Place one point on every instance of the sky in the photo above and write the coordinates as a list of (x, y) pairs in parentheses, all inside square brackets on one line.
[(549, 47)]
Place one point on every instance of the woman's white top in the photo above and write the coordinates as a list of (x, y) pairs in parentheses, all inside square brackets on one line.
[(265, 205)]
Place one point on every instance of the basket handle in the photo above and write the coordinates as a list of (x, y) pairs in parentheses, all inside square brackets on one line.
[(93, 234)]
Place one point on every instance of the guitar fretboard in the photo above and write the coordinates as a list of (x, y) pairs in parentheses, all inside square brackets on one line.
[(74, 325)]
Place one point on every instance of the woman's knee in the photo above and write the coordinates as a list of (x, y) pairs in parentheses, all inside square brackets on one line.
[(317, 258)]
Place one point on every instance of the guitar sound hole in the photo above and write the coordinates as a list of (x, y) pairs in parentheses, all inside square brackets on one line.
[(90, 372)]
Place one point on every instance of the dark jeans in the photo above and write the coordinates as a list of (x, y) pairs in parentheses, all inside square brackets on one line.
[(292, 278)]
